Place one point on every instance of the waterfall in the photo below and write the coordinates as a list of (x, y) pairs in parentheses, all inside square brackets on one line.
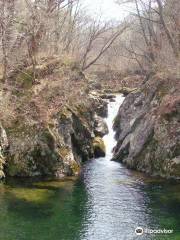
[(109, 139)]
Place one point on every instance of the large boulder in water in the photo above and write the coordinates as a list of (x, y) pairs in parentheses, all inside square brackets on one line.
[(99, 147)]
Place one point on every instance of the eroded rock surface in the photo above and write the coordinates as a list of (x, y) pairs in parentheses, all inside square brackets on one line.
[(100, 126), (3, 146), (57, 149), (148, 128), (54, 150)]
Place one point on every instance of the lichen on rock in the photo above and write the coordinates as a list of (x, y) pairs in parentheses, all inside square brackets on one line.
[(56, 150), (51, 129), (147, 129)]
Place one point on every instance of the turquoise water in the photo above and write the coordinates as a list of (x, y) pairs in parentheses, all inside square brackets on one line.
[(106, 202), (97, 205)]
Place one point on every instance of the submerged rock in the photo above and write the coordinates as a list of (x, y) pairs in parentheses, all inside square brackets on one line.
[(148, 129), (99, 147)]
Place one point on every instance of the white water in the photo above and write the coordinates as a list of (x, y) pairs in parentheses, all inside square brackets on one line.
[(115, 205), (109, 139), (107, 202)]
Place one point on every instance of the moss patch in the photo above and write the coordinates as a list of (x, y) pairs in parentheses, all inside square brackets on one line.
[(99, 147), (32, 195), (66, 183), (75, 168), (64, 151)]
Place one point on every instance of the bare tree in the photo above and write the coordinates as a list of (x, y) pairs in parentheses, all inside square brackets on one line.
[(167, 31), (6, 23), (99, 37), (154, 24), (107, 44)]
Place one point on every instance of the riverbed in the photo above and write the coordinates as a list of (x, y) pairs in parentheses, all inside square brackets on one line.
[(106, 202)]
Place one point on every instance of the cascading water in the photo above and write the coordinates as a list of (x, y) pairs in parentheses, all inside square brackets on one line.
[(107, 202), (111, 199), (109, 139)]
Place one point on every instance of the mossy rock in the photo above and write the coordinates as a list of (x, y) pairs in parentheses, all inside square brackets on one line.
[(36, 156), (126, 90), (2, 162), (64, 114), (2, 175), (17, 166), (99, 147), (32, 195), (64, 151), (175, 167), (67, 156), (75, 168)]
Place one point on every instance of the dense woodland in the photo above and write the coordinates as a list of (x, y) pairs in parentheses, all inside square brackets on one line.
[(147, 40), (30, 30), (36, 35)]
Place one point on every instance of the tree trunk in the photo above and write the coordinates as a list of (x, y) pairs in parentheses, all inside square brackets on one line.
[(168, 34)]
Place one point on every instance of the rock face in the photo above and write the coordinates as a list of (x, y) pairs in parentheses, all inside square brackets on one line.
[(100, 127), (99, 105), (57, 149), (148, 128), (50, 128), (3, 147), (99, 147)]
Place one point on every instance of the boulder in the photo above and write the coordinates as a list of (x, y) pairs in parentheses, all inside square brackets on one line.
[(175, 167), (99, 147), (107, 96), (126, 90), (100, 106), (100, 127)]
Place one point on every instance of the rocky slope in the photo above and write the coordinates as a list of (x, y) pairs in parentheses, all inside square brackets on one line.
[(57, 149), (50, 130), (148, 128)]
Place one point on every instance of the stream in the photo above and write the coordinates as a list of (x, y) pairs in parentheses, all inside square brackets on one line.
[(106, 202)]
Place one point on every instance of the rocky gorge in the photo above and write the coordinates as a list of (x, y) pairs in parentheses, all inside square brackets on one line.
[(73, 136), (45, 136), (147, 125)]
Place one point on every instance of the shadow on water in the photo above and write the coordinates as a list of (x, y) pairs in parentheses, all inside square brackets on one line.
[(42, 210), (107, 202), (164, 204), (85, 209)]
